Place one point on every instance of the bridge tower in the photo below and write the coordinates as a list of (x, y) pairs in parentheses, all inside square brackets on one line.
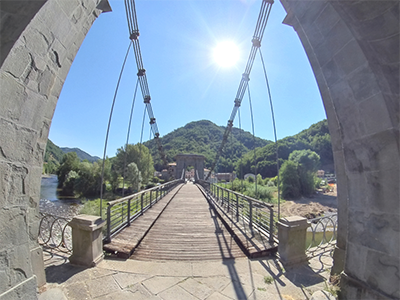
[(195, 160)]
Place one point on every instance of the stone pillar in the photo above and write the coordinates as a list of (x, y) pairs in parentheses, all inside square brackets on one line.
[(292, 240), (87, 240)]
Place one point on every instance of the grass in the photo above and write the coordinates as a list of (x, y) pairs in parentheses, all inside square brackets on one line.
[(268, 279)]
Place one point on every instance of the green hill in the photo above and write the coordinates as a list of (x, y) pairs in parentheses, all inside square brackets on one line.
[(204, 137), (54, 155), (82, 155), (315, 138)]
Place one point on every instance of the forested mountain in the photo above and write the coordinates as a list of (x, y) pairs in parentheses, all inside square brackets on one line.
[(82, 155), (54, 154), (204, 137), (315, 138)]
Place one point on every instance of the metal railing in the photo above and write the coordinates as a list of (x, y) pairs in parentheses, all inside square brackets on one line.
[(256, 214), (55, 233), (322, 234), (121, 212)]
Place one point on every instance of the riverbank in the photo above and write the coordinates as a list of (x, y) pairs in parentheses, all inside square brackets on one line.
[(317, 205)]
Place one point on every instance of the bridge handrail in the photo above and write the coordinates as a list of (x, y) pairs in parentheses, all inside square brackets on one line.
[(113, 202), (121, 212), (254, 218), (248, 197)]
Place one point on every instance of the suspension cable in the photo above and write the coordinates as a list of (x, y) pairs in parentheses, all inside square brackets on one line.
[(134, 37), (241, 161), (108, 128), (127, 139), (256, 44), (254, 138), (275, 134)]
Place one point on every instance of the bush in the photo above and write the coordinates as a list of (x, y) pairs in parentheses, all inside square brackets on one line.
[(92, 207)]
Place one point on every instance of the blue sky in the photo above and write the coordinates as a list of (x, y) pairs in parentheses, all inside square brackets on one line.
[(177, 38)]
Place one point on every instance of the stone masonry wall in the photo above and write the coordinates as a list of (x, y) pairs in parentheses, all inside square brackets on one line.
[(39, 41), (353, 48)]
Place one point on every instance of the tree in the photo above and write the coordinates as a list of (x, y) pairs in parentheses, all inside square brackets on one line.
[(138, 154), (133, 177), (69, 162), (290, 180)]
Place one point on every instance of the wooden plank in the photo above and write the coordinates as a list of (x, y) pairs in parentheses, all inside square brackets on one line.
[(188, 229), (123, 244), (251, 242)]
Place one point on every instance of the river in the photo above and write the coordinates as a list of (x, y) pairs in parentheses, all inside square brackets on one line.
[(51, 203)]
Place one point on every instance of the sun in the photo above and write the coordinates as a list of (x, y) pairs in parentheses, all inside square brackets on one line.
[(226, 54)]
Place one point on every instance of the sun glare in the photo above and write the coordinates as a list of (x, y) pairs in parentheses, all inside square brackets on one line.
[(226, 54)]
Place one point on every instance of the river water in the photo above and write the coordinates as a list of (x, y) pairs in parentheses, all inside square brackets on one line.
[(52, 203)]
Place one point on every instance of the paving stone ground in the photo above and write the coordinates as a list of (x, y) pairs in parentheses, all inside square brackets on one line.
[(211, 279)]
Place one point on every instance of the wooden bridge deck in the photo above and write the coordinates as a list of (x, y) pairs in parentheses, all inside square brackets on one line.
[(184, 225), (188, 229)]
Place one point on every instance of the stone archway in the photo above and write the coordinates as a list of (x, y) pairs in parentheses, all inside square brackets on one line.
[(353, 48), (39, 41), (184, 160)]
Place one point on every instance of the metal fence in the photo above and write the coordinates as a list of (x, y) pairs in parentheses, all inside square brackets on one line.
[(55, 233), (256, 214), (322, 234), (121, 212)]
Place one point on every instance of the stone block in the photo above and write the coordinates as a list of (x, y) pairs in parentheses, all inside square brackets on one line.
[(87, 240), (20, 264), (376, 231), (68, 7), (36, 42), (16, 135), (350, 57), (18, 61), (331, 72), (292, 240), (363, 83), (25, 290), (305, 12), (12, 183), (383, 190), (379, 27), (32, 111), (375, 152), (352, 121), (327, 19), (356, 255), (361, 12), (38, 265), (382, 273), (13, 97), (342, 96), (378, 119), (13, 226)]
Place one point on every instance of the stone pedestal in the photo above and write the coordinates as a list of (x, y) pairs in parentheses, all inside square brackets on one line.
[(87, 240), (292, 240)]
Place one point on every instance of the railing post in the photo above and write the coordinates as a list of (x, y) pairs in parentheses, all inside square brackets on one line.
[(228, 200), (141, 203), (271, 225), (128, 221), (108, 238), (237, 208), (251, 215), (87, 240), (156, 195), (292, 232), (151, 194)]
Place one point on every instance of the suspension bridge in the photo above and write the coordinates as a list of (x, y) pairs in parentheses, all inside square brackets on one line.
[(179, 221)]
